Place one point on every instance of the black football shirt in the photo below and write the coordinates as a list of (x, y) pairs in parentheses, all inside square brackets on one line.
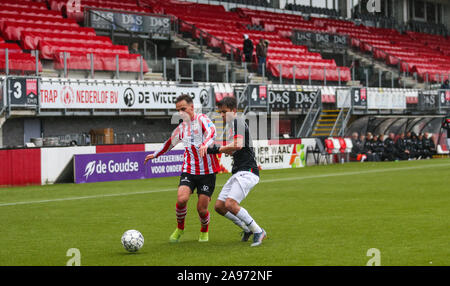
[(243, 159)]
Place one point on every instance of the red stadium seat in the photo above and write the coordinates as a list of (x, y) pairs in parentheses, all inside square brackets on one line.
[(102, 62), (12, 31), (12, 48), (343, 144), (21, 62), (30, 40), (49, 48), (329, 146)]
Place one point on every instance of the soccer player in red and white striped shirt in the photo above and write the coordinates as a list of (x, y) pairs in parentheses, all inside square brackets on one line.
[(199, 169)]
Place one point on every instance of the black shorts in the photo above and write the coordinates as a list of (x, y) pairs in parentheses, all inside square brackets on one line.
[(205, 184)]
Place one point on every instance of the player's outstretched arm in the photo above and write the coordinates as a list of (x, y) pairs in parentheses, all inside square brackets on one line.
[(229, 149), (149, 157), (174, 139)]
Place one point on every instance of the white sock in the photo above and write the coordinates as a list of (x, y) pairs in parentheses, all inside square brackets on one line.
[(236, 221), (248, 220)]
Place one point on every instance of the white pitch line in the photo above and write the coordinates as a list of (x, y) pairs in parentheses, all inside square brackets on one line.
[(296, 178)]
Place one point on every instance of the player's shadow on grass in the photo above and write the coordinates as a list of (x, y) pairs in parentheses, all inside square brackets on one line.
[(126, 253)]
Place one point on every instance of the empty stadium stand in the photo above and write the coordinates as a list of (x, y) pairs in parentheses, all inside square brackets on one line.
[(26, 26), (54, 26)]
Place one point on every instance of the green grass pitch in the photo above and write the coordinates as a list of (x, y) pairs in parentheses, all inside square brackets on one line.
[(321, 215)]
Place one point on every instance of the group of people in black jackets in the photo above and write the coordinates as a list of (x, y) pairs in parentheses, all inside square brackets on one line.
[(376, 148)]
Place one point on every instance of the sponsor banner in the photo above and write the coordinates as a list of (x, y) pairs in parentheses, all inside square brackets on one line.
[(292, 98), (428, 100), (23, 91), (107, 20), (261, 96), (103, 167), (272, 157), (123, 95), (308, 37), (444, 98), (385, 99)]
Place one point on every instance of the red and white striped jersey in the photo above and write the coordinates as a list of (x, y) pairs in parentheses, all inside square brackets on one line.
[(193, 134)]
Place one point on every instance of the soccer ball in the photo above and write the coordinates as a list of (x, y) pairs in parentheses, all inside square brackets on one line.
[(132, 240)]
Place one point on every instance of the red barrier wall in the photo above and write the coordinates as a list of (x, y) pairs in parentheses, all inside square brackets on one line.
[(20, 167)]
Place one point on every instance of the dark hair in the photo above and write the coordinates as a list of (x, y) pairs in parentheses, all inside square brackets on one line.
[(229, 102), (184, 97)]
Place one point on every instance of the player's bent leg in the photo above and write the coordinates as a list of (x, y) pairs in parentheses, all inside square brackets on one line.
[(245, 182), (232, 206), (220, 208)]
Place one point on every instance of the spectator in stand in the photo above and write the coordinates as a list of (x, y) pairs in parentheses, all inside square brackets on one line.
[(420, 147), (374, 147), (410, 145), (379, 147), (134, 49), (368, 147), (261, 54), (445, 85), (428, 146), (248, 49), (415, 146), (357, 148), (362, 138), (390, 151), (403, 152)]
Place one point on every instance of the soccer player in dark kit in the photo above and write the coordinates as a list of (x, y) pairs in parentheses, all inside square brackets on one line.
[(245, 172)]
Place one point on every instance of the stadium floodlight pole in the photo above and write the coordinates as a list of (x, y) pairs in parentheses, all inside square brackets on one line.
[(117, 67), (379, 77), (403, 80), (164, 68), (65, 65), (366, 72), (155, 48), (227, 79), (309, 74), (91, 56), (339, 75), (245, 72), (7, 61), (36, 57), (281, 73), (392, 79), (207, 71), (192, 70), (263, 71), (353, 70), (141, 68), (293, 74)]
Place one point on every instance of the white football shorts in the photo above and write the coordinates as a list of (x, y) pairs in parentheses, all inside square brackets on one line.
[(238, 186)]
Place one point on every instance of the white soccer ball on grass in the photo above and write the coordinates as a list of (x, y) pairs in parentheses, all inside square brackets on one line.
[(132, 240)]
